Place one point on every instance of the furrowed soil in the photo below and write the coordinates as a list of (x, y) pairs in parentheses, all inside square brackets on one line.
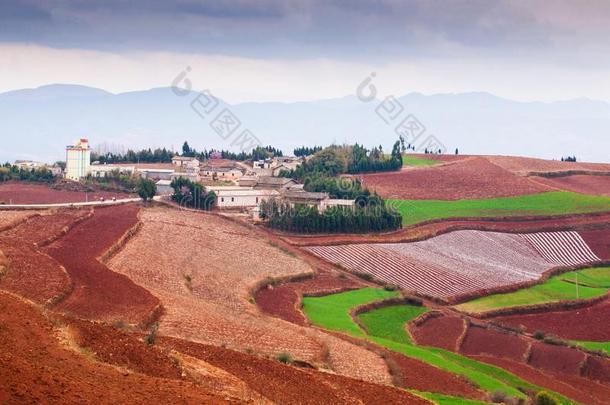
[(30, 272), (283, 384), (10, 218), (38, 368), (471, 178), (589, 323), (523, 165), (99, 293), (206, 291), (33, 193)]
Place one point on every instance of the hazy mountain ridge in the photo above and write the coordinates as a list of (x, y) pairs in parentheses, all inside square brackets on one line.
[(38, 123)]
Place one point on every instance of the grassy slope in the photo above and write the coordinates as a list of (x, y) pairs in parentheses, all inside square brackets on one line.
[(603, 346), (550, 203), (388, 322), (410, 160), (324, 312), (553, 290)]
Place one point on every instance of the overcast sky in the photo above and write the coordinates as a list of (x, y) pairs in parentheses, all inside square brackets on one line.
[(299, 50)]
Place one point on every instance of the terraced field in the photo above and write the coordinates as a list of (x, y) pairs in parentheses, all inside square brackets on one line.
[(540, 204), (462, 263), (333, 312)]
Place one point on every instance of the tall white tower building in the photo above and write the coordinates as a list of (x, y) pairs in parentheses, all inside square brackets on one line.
[(78, 160)]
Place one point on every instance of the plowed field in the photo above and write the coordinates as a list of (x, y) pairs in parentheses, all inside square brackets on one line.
[(100, 293), (599, 241), (205, 291), (470, 178), (462, 262), (588, 324), (32, 193), (584, 184)]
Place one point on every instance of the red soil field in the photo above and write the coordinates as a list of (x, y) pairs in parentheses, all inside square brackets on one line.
[(38, 368), (424, 377), (584, 184), (523, 165), (443, 331), (466, 179), (98, 292), (282, 301), (31, 273), (559, 359), (32, 193), (597, 368), (483, 341), (588, 324), (579, 389), (290, 385), (598, 241)]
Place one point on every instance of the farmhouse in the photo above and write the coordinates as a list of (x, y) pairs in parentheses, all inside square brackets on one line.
[(320, 200), (184, 161), (105, 170), (156, 174), (243, 198), (273, 183), (164, 187), (222, 173)]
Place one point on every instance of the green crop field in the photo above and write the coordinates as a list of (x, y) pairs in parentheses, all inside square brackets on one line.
[(557, 288), (333, 312), (603, 346), (410, 160), (441, 399), (551, 203), (388, 322)]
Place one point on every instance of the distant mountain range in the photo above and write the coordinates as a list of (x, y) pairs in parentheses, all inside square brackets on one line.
[(38, 123)]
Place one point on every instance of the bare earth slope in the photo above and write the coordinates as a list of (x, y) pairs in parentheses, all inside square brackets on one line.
[(202, 268)]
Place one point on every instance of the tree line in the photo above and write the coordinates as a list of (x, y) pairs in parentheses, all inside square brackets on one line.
[(306, 151), (364, 217), (40, 174), (258, 153)]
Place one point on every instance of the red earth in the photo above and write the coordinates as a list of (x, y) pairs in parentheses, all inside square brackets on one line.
[(558, 359), (597, 368), (282, 301), (38, 368), (32, 273), (284, 384), (100, 293), (484, 341), (584, 184), (36, 193), (421, 376), (588, 324), (524, 165), (470, 178), (579, 389), (442, 331), (598, 241)]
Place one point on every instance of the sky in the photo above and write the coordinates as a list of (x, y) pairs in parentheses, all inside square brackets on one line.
[(268, 50)]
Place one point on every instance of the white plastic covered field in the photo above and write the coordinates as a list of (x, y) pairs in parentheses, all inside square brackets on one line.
[(462, 262)]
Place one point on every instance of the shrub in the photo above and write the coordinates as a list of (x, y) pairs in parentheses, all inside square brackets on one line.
[(544, 398), (146, 189), (538, 335), (364, 276), (499, 397), (390, 287), (284, 358), (152, 334)]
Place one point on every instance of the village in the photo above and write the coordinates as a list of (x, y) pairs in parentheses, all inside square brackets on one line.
[(238, 186)]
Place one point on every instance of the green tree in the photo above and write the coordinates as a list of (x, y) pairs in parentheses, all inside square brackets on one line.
[(146, 189)]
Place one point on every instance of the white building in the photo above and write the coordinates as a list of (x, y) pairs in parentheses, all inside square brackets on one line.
[(248, 198), (222, 173), (104, 170), (78, 160), (182, 161), (164, 187)]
